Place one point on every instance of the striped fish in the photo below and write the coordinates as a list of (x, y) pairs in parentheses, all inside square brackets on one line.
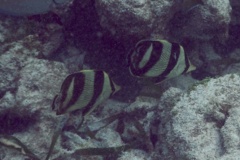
[(84, 90), (158, 59)]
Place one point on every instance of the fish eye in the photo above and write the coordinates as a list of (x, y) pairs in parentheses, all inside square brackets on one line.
[(135, 58), (141, 50)]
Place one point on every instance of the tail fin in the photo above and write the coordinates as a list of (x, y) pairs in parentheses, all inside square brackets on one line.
[(191, 68)]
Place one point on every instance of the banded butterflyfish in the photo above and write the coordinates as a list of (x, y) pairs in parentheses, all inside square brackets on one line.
[(158, 59), (84, 90)]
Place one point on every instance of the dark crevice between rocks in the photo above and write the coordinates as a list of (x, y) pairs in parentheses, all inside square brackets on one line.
[(201, 72), (2, 93), (82, 25), (232, 42), (154, 132), (210, 118), (14, 120)]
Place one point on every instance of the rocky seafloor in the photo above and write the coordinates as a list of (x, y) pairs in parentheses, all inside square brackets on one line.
[(190, 117)]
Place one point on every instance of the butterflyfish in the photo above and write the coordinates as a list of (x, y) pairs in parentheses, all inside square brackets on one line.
[(84, 90), (158, 59)]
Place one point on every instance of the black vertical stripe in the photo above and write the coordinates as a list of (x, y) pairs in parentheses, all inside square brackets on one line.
[(175, 53), (186, 63), (141, 51), (64, 88), (78, 85), (53, 102), (137, 55), (154, 58), (97, 90)]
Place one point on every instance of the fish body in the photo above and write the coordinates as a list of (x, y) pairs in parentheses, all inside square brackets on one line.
[(158, 59), (84, 90), (28, 7)]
